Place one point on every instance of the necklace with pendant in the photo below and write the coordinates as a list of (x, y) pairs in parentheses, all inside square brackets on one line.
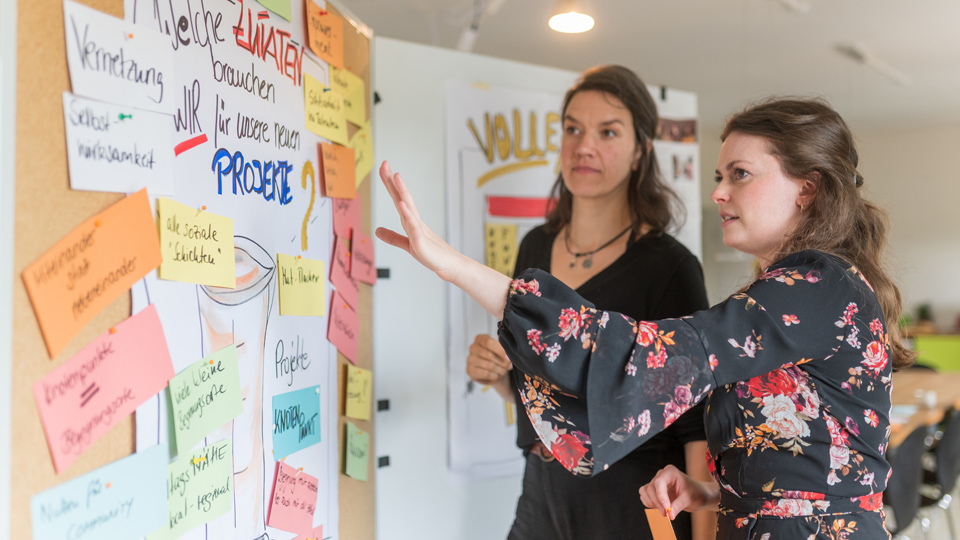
[(588, 260)]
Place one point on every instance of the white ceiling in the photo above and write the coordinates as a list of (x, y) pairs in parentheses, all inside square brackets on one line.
[(727, 51)]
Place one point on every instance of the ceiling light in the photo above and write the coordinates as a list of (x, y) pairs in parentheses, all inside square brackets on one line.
[(570, 18), (860, 54)]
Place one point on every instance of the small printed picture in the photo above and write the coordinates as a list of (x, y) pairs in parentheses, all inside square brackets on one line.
[(684, 131), (682, 167)]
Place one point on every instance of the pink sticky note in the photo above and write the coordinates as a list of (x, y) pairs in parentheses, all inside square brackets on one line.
[(343, 327), (346, 285), (362, 266), (293, 500), (83, 398), (315, 534), (346, 216)]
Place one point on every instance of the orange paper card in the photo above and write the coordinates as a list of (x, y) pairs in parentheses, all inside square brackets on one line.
[(83, 398), (660, 525), (362, 266), (90, 267), (339, 171), (343, 328), (346, 285), (325, 34)]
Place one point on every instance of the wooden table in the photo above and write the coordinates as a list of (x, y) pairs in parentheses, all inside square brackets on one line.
[(947, 387)]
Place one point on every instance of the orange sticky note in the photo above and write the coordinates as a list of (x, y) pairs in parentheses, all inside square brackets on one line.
[(90, 267), (325, 34), (660, 525), (362, 265), (347, 285), (106, 381), (343, 327), (339, 171)]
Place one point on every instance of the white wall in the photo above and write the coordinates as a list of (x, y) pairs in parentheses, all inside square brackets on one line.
[(416, 496), (8, 105), (915, 175)]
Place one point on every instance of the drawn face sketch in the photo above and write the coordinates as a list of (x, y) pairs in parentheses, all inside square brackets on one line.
[(240, 316)]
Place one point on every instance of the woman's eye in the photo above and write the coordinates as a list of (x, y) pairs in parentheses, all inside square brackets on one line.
[(609, 133), (571, 130), (718, 179), (739, 174)]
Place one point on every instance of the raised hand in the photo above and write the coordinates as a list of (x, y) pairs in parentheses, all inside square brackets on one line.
[(485, 285), (672, 491), (421, 242), (487, 362)]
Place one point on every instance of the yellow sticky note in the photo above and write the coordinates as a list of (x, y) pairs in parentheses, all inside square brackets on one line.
[(302, 286), (501, 246), (359, 393), (362, 144), (325, 114), (660, 525), (197, 246), (352, 89)]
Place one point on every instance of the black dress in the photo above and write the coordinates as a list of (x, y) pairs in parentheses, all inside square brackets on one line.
[(656, 277), (795, 372)]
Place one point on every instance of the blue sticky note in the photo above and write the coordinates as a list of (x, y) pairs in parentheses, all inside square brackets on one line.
[(126, 499), (296, 421)]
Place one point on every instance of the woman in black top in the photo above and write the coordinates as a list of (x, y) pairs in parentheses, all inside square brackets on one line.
[(606, 239)]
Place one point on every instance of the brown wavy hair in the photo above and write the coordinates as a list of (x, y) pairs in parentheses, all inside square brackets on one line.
[(812, 142), (650, 200)]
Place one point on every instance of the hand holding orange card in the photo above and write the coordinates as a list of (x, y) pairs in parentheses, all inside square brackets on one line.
[(90, 267), (339, 171), (87, 395), (660, 525)]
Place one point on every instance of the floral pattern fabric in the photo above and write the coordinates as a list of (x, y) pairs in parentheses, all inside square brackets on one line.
[(795, 372)]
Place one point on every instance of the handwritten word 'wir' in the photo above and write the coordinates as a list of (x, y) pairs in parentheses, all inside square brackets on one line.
[(263, 41), (266, 178)]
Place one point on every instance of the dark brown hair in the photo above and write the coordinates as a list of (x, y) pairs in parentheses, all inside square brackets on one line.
[(651, 201), (812, 142)]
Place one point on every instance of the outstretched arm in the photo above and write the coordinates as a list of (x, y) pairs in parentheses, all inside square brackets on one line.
[(485, 285)]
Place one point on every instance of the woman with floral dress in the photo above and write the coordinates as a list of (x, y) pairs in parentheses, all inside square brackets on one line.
[(795, 369)]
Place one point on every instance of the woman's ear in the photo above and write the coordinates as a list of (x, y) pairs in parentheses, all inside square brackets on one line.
[(808, 190), (642, 148)]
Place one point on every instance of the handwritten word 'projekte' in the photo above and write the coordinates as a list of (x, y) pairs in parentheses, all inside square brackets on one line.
[(266, 178)]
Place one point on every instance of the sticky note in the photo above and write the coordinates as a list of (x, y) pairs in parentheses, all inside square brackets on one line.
[(324, 110), (339, 171), (500, 240), (358, 452), (197, 245), (293, 500), (302, 286), (116, 148), (90, 267), (346, 216), (296, 421), (205, 396), (96, 45), (362, 144), (103, 383), (199, 489), (359, 393), (343, 327), (280, 7), (354, 94), (325, 34), (315, 534), (117, 501), (347, 285), (660, 525), (362, 265)]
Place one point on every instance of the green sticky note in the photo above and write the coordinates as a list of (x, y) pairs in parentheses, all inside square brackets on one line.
[(358, 452), (280, 7), (199, 489), (204, 397)]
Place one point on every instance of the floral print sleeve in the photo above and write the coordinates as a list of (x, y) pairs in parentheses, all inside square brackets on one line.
[(795, 372)]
